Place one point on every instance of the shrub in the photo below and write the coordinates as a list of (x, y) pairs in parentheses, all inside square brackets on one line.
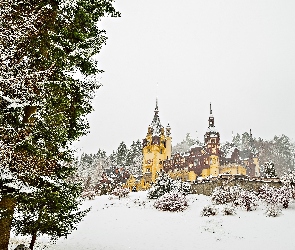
[(274, 196), (284, 196), (220, 195), (273, 211), (288, 179), (225, 194), (120, 192), (172, 201), (269, 195), (248, 200), (209, 211), (229, 210)]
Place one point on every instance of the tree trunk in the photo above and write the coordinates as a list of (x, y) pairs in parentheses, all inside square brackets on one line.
[(7, 205), (34, 237)]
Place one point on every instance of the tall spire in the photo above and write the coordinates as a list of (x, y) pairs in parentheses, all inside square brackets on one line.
[(210, 109), (211, 118), (156, 124), (157, 108)]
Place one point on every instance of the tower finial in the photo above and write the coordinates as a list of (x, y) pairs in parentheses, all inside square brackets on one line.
[(157, 108), (210, 109)]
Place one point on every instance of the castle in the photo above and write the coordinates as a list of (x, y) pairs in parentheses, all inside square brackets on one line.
[(199, 162)]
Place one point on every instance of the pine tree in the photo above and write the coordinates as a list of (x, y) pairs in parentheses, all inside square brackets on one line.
[(42, 106), (269, 170), (46, 211), (121, 154)]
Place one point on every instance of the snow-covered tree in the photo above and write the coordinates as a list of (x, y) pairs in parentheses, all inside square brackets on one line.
[(49, 210), (165, 184), (121, 154), (269, 170), (186, 144), (42, 105), (162, 185)]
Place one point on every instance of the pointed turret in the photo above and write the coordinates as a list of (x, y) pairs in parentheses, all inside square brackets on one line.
[(156, 123)]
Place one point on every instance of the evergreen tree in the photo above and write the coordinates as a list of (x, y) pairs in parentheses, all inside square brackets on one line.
[(121, 154), (42, 106), (46, 211), (186, 144), (269, 170)]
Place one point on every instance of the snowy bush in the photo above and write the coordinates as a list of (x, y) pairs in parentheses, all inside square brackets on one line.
[(220, 195), (120, 192), (273, 211), (225, 194), (273, 196), (247, 200), (288, 179), (269, 195), (209, 211), (284, 196), (229, 210), (172, 201)]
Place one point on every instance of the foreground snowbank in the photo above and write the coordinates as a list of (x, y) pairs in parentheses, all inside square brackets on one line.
[(133, 223)]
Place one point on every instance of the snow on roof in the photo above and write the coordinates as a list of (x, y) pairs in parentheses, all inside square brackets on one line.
[(156, 123)]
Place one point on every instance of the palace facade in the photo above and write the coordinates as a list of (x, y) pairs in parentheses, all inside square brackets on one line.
[(199, 162)]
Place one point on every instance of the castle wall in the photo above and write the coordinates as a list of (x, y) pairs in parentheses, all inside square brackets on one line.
[(207, 187)]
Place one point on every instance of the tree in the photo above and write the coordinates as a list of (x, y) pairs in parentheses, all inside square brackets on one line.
[(121, 154), (269, 170), (46, 211), (42, 105), (186, 144)]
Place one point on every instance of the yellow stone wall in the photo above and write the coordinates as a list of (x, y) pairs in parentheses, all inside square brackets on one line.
[(257, 168), (214, 165), (233, 169), (154, 155)]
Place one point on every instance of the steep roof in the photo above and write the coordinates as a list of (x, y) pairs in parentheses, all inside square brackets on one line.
[(156, 123)]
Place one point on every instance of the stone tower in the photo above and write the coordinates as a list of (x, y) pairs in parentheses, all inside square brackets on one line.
[(156, 148)]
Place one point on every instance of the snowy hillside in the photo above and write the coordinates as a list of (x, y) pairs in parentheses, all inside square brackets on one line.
[(133, 223)]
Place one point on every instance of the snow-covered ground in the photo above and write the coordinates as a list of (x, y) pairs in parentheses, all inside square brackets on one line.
[(133, 223)]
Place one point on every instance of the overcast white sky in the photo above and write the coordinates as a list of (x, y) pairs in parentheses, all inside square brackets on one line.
[(237, 54)]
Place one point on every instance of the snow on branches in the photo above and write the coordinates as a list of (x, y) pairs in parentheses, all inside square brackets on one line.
[(209, 211), (225, 194), (164, 184), (274, 196), (172, 201), (120, 192)]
